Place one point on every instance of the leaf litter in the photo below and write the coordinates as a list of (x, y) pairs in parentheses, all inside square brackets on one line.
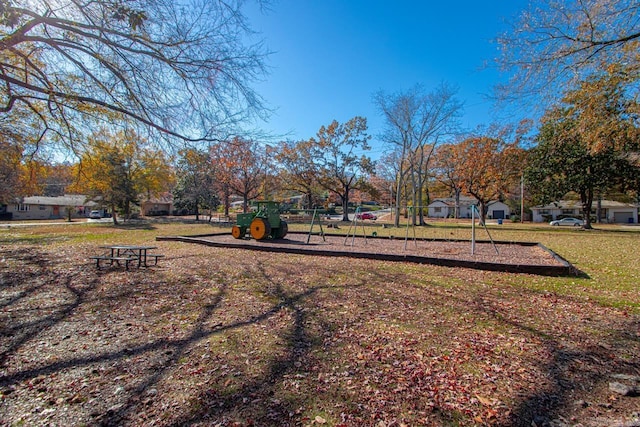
[(219, 337)]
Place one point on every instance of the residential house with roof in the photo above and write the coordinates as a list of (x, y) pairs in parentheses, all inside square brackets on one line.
[(446, 208), (610, 211), (44, 207), (157, 206)]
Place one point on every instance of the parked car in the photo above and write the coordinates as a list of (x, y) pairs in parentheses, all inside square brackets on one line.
[(366, 215), (575, 222), (95, 215)]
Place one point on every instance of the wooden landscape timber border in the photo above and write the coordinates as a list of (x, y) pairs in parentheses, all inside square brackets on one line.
[(566, 269)]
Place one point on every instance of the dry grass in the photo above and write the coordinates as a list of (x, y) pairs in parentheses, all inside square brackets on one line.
[(228, 337)]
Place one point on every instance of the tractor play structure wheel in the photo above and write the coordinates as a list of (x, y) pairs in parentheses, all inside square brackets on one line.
[(284, 229), (260, 228), (238, 232)]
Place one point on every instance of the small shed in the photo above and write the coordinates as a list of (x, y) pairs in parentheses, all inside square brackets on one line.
[(157, 206)]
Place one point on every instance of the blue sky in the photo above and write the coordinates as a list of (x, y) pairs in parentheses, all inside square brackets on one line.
[(330, 57)]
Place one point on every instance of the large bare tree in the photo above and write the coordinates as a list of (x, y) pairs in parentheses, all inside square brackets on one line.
[(416, 122), (183, 68)]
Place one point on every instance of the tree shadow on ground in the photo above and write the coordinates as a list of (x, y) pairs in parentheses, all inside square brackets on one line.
[(216, 405), (574, 367), (298, 340), (35, 273)]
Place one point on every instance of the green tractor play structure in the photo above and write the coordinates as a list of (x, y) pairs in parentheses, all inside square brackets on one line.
[(262, 223)]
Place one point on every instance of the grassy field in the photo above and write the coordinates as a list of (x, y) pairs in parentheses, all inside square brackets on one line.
[(228, 337)]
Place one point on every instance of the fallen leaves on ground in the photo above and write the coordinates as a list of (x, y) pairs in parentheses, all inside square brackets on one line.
[(232, 338)]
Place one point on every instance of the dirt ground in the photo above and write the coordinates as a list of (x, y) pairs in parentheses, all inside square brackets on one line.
[(483, 251), (485, 255), (218, 336)]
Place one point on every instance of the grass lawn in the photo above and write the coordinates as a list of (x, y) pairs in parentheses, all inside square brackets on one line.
[(228, 337)]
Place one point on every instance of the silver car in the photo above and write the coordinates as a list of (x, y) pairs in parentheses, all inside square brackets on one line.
[(574, 222)]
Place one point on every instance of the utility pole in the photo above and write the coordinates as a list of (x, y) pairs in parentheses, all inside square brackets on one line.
[(522, 199)]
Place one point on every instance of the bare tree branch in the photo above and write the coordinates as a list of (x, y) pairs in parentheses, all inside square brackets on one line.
[(184, 69), (557, 43)]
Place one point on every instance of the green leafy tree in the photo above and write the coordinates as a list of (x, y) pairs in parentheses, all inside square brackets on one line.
[(590, 143), (562, 162), (196, 184), (341, 167)]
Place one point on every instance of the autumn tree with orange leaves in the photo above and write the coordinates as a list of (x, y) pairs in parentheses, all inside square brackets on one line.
[(298, 170), (447, 171), (119, 169), (241, 167), (487, 168)]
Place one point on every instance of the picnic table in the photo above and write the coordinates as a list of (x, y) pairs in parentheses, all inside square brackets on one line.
[(127, 254)]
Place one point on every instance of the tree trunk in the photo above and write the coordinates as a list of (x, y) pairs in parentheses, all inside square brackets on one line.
[(586, 197), (115, 215), (309, 204), (345, 205), (414, 196), (225, 196), (245, 203), (483, 212), (420, 203), (397, 207)]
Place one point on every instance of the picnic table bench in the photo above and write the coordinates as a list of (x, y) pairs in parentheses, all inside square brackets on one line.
[(127, 254), (112, 259), (155, 257)]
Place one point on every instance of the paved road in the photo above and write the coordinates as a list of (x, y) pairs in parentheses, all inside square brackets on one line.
[(11, 224)]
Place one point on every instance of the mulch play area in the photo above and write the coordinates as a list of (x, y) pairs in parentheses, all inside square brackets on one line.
[(511, 257)]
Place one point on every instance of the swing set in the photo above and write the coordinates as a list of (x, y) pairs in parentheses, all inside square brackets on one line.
[(352, 231)]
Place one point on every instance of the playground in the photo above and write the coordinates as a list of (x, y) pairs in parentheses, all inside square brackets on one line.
[(514, 257), (263, 230)]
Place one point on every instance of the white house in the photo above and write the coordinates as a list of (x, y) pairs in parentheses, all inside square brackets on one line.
[(43, 207), (446, 207), (610, 211)]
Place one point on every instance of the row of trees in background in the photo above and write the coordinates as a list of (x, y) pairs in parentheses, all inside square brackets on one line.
[(331, 162), (428, 147), (121, 169)]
